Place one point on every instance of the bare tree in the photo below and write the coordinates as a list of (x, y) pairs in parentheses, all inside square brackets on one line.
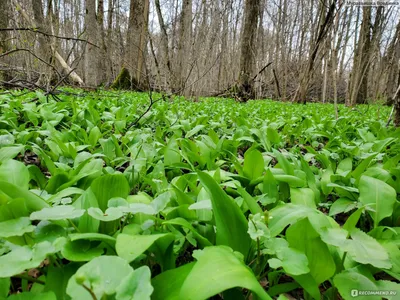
[(184, 49), (4, 36), (137, 37), (247, 50)]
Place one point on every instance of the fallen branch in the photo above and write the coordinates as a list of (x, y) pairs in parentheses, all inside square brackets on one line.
[(37, 30)]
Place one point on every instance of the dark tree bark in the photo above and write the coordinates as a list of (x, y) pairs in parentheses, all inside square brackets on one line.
[(4, 36), (135, 53), (247, 50)]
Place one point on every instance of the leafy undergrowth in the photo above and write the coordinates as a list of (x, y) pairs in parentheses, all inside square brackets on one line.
[(212, 199)]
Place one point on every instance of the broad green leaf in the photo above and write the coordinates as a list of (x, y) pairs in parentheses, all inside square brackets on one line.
[(7, 153), (303, 196), (111, 214), (284, 215), (366, 250), (4, 287), (32, 202), (218, 269), (130, 247), (108, 187), (33, 296), (379, 195), (80, 251), (285, 165), (270, 186), (253, 166), (325, 180), (351, 283), (15, 227), (230, 222), (303, 237), (60, 212), (342, 205), (103, 275), (15, 172), (137, 285), (93, 237), (167, 285), (24, 258)]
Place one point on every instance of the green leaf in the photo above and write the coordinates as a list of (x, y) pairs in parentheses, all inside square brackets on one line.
[(4, 287), (15, 172), (33, 296), (379, 195), (270, 186), (230, 222), (325, 180), (253, 166), (285, 165), (80, 251), (103, 275), (111, 214), (32, 202), (342, 205), (94, 136), (167, 285), (130, 247), (7, 153), (136, 286), (60, 212), (218, 269), (15, 227), (284, 215), (366, 250), (303, 237), (57, 279), (24, 258), (185, 224), (250, 201), (303, 196), (350, 282), (108, 187)]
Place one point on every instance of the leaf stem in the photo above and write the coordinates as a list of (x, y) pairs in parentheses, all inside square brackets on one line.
[(90, 291), (73, 225)]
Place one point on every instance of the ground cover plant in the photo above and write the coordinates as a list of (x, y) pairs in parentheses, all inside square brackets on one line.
[(195, 200)]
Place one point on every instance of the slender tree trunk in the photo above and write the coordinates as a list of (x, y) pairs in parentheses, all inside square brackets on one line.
[(184, 48), (93, 75), (393, 68), (165, 48), (136, 51), (325, 22), (4, 36), (247, 50), (358, 86)]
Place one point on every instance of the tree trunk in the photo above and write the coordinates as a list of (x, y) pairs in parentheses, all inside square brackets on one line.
[(393, 68), (325, 22), (358, 85), (165, 48), (4, 36), (93, 76), (136, 51), (184, 48), (247, 51)]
